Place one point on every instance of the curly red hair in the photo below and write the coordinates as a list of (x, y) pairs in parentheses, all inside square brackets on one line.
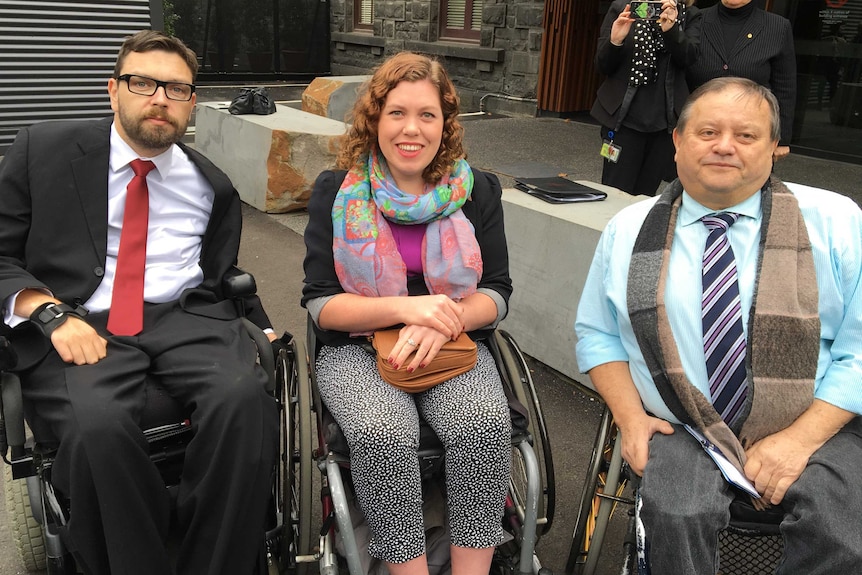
[(361, 137)]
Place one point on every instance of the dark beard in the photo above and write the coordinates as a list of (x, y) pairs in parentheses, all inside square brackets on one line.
[(152, 137)]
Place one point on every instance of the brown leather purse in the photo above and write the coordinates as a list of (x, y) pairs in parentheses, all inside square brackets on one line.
[(454, 358)]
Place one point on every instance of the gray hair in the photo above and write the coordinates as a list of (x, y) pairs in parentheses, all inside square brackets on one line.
[(747, 89)]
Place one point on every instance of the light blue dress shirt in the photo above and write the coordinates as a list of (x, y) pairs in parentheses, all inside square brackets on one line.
[(834, 225)]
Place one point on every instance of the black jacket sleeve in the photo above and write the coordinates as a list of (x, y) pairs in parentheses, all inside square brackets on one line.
[(319, 264), (608, 56), (485, 211)]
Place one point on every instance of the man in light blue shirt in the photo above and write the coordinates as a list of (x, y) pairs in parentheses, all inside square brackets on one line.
[(640, 327)]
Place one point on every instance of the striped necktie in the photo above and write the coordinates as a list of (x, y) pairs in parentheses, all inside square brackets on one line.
[(723, 338)]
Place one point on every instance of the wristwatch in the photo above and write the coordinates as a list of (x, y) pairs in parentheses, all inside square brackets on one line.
[(49, 316)]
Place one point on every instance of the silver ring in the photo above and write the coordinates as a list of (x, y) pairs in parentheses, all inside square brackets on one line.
[(410, 342)]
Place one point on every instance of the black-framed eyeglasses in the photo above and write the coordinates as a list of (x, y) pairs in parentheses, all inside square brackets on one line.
[(143, 86)]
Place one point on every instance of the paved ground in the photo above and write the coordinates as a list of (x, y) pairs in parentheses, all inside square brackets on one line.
[(273, 251)]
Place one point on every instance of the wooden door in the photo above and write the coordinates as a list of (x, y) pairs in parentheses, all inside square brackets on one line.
[(567, 77)]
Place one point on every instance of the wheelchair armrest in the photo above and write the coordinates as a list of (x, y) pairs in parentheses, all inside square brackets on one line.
[(265, 352), (237, 284), (13, 414), (8, 358)]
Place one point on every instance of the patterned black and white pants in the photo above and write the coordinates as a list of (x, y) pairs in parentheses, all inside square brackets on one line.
[(469, 414)]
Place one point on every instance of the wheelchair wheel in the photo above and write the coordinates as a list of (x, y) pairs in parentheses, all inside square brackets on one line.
[(26, 531), (604, 485), (296, 454), (522, 384)]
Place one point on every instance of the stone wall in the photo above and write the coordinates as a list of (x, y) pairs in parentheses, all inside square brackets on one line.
[(505, 61)]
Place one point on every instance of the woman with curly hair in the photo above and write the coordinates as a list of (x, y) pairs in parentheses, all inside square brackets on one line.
[(408, 234)]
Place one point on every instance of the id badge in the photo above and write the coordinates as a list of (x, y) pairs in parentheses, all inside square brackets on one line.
[(610, 151)]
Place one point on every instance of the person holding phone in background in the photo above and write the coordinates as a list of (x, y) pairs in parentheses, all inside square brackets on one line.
[(644, 48)]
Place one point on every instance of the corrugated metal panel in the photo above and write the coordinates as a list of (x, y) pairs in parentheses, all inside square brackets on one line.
[(56, 58)]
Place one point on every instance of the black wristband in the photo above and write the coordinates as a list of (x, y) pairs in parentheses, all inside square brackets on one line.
[(49, 316)]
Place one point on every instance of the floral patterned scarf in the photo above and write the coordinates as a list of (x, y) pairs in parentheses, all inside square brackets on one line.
[(367, 260)]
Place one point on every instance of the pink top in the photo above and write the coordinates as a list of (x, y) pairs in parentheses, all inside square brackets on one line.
[(409, 242)]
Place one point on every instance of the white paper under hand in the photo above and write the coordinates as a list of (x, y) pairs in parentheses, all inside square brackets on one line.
[(730, 472)]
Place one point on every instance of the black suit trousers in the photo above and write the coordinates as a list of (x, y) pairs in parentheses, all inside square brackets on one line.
[(120, 509)]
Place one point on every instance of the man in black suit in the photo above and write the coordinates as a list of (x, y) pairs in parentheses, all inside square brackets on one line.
[(85, 345)]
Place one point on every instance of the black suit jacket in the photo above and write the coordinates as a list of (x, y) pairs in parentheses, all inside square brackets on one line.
[(763, 53), (54, 229)]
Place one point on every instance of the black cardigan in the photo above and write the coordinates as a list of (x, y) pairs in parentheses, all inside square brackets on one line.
[(484, 210)]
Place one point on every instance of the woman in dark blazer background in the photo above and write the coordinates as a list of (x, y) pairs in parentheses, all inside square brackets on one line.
[(639, 102), (740, 39)]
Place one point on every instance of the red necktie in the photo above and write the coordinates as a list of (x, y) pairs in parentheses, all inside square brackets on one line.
[(126, 316)]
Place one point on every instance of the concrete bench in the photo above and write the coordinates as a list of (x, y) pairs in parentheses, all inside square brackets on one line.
[(550, 251), (272, 160), (332, 96)]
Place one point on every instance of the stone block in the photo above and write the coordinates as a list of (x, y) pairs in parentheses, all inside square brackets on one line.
[(550, 251), (520, 63), (534, 41), (421, 11), (494, 14), (487, 36), (529, 15), (332, 96), (424, 32), (272, 160)]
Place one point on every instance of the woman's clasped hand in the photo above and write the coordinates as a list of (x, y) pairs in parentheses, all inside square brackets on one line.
[(437, 320)]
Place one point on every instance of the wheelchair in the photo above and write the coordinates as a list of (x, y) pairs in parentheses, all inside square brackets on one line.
[(36, 512), (750, 545), (530, 502)]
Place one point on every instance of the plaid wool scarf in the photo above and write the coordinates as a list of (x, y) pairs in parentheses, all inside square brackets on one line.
[(783, 326)]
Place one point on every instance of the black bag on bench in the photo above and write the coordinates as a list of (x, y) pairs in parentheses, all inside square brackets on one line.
[(252, 101)]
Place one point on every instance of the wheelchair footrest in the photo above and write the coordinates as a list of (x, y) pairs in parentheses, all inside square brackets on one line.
[(168, 447), (163, 432), (23, 467)]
